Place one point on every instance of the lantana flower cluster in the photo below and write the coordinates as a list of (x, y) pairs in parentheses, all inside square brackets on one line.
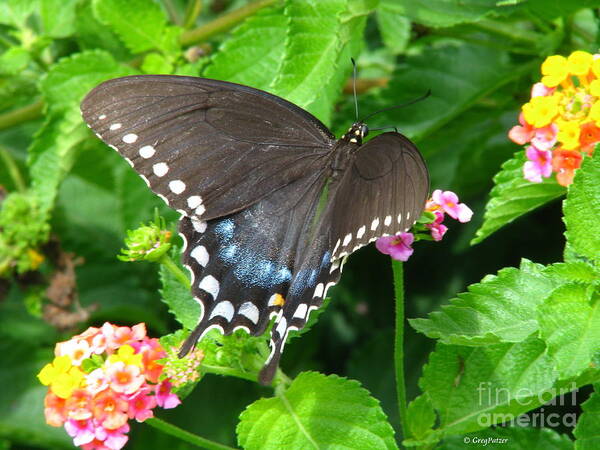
[(102, 378), (429, 227), (561, 122)]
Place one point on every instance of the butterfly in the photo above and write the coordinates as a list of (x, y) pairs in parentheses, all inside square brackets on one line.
[(271, 202)]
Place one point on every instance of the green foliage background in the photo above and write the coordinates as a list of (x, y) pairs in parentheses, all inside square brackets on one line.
[(521, 328)]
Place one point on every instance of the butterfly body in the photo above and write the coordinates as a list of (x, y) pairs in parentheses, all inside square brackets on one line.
[(271, 202)]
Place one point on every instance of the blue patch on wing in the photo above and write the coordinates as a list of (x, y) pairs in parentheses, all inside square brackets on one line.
[(251, 268)]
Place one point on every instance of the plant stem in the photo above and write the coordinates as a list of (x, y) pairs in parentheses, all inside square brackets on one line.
[(229, 371), (192, 12), (175, 270), (223, 23), (20, 115), (397, 269), (13, 169), (185, 436)]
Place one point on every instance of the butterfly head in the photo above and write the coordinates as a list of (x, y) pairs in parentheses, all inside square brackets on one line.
[(356, 133)]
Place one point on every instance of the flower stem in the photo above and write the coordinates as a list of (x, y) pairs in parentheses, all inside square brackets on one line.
[(20, 115), (397, 269), (185, 435), (175, 270), (13, 169), (223, 23)]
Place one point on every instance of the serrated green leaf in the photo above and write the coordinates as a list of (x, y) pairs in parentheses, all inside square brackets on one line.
[(178, 297), (91, 34), (58, 17), (16, 12), (588, 424), (513, 196), (312, 45), (421, 417), (347, 417), (511, 438), (351, 43), (253, 53), (52, 153), (502, 308), (582, 210), (573, 271), (570, 324), (139, 23), (394, 26), (475, 387), (72, 78), (446, 13)]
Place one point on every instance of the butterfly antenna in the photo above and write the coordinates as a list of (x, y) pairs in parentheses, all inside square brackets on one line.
[(416, 100), (354, 87)]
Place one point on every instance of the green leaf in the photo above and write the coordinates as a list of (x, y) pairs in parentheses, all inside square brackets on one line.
[(311, 49), (570, 324), (582, 210), (71, 78), (14, 60), (457, 74), (588, 425), (502, 308), (511, 438), (139, 23), (16, 12), (475, 387), (253, 53), (421, 417), (313, 318), (513, 196), (573, 271), (550, 10), (52, 153), (394, 26), (91, 34), (446, 13), (353, 23), (155, 63), (58, 17), (177, 296), (317, 411)]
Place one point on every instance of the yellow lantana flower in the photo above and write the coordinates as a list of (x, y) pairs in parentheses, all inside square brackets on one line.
[(579, 63), (540, 111), (126, 354), (595, 88), (596, 67), (62, 377), (555, 70), (594, 113), (568, 134)]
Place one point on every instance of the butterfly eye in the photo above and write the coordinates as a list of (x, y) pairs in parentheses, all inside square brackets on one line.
[(364, 130)]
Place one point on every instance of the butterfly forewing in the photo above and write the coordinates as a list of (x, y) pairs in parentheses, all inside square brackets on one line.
[(208, 148)]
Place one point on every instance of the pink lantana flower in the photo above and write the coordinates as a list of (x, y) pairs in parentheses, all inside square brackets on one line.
[(398, 247), (113, 439), (448, 201), (521, 134), (76, 349), (82, 431), (437, 228), (124, 378), (540, 90), (539, 164), (96, 381), (545, 138), (165, 398), (141, 404)]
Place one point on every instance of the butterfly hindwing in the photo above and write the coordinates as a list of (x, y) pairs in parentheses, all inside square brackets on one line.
[(382, 192), (209, 148)]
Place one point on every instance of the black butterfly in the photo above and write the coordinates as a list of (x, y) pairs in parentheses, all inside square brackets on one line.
[(271, 202)]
